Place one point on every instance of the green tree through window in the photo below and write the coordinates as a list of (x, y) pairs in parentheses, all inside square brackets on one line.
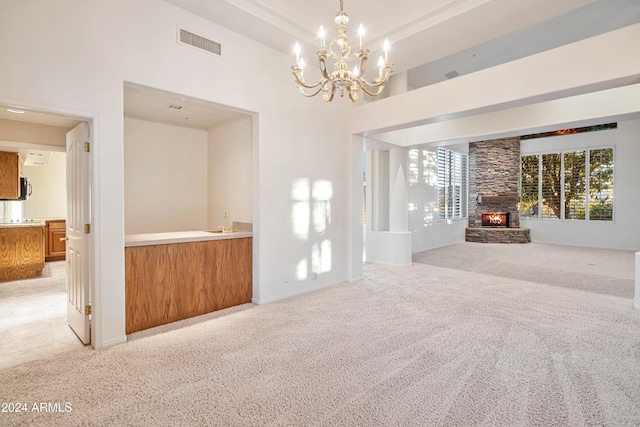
[(601, 184)]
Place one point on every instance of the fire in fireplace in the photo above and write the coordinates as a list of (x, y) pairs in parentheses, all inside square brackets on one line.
[(495, 220)]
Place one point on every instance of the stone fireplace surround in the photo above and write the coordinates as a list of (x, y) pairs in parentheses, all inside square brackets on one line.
[(494, 170)]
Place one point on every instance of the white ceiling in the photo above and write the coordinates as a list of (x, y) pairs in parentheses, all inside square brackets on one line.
[(420, 31), (440, 33), (144, 103), (30, 116)]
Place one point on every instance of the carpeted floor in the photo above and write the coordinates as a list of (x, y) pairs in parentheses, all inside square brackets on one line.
[(417, 346)]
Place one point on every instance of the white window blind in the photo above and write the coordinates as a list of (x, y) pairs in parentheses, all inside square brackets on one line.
[(452, 185)]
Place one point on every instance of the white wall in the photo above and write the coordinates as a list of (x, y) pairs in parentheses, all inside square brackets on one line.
[(165, 177), (87, 63), (230, 173), (624, 231), (49, 197), (588, 65)]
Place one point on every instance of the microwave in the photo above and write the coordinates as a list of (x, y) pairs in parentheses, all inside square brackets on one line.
[(25, 189)]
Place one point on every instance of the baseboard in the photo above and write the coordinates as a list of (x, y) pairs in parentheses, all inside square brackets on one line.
[(356, 279), (116, 341), (260, 301), (387, 264)]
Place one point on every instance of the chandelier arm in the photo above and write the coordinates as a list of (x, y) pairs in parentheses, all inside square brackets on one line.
[(309, 95), (329, 98), (379, 81), (363, 63), (379, 86), (351, 94), (302, 82), (323, 66), (373, 93)]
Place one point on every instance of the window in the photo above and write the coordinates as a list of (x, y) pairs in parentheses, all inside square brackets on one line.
[(601, 184), (452, 185), (550, 194), (530, 172), (574, 185)]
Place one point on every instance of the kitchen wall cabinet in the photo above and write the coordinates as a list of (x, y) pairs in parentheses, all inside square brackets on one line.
[(10, 170), (21, 252), (55, 240)]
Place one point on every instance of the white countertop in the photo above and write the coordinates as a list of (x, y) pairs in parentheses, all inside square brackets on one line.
[(149, 239), (22, 224)]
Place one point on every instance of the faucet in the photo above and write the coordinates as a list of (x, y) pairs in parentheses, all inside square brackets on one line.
[(226, 228)]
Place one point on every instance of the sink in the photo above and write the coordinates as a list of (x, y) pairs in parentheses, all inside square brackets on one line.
[(220, 231)]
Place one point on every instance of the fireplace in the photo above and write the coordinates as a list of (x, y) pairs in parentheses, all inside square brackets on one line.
[(495, 220)]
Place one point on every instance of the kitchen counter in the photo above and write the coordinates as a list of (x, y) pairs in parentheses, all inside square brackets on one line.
[(22, 224), (149, 239)]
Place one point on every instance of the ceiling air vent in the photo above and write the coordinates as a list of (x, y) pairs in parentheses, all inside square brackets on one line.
[(452, 74), (188, 38)]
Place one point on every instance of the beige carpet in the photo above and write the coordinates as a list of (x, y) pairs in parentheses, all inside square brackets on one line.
[(416, 346)]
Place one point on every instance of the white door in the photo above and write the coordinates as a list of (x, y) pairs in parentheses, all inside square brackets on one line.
[(78, 274)]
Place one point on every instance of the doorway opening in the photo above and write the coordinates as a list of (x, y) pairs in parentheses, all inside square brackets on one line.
[(33, 311)]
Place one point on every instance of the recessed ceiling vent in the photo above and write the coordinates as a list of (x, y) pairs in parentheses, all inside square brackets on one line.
[(199, 42), (452, 74)]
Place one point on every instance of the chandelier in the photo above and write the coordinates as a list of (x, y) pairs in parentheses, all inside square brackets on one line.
[(342, 78)]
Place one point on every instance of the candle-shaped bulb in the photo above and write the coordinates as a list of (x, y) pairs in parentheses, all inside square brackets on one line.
[(322, 34), (386, 50), (356, 71), (296, 49), (361, 35), (380, 66), (301, 67)]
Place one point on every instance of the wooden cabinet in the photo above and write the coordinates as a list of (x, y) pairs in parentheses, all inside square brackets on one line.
[(170, 282), (55, 240), (21, 252), (9, 175)]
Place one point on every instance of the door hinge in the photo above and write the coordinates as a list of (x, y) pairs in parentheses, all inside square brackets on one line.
[(87, 146), (87, 229), (87, 310)]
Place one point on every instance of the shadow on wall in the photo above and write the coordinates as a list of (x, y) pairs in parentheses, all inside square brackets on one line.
[(310, 219)]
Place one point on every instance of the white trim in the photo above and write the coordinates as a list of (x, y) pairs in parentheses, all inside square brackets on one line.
[(388, 264), (260, 301)]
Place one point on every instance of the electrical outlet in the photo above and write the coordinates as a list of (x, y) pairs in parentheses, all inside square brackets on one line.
[(314, 275)]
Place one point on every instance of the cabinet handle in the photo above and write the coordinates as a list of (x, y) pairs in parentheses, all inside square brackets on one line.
[(64, 239)]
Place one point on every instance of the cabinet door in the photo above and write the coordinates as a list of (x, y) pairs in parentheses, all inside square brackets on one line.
[(56, 240), (9, 175)]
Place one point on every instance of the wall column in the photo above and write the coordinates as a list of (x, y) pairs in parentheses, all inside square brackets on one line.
[(398, 214), (388, 239)]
